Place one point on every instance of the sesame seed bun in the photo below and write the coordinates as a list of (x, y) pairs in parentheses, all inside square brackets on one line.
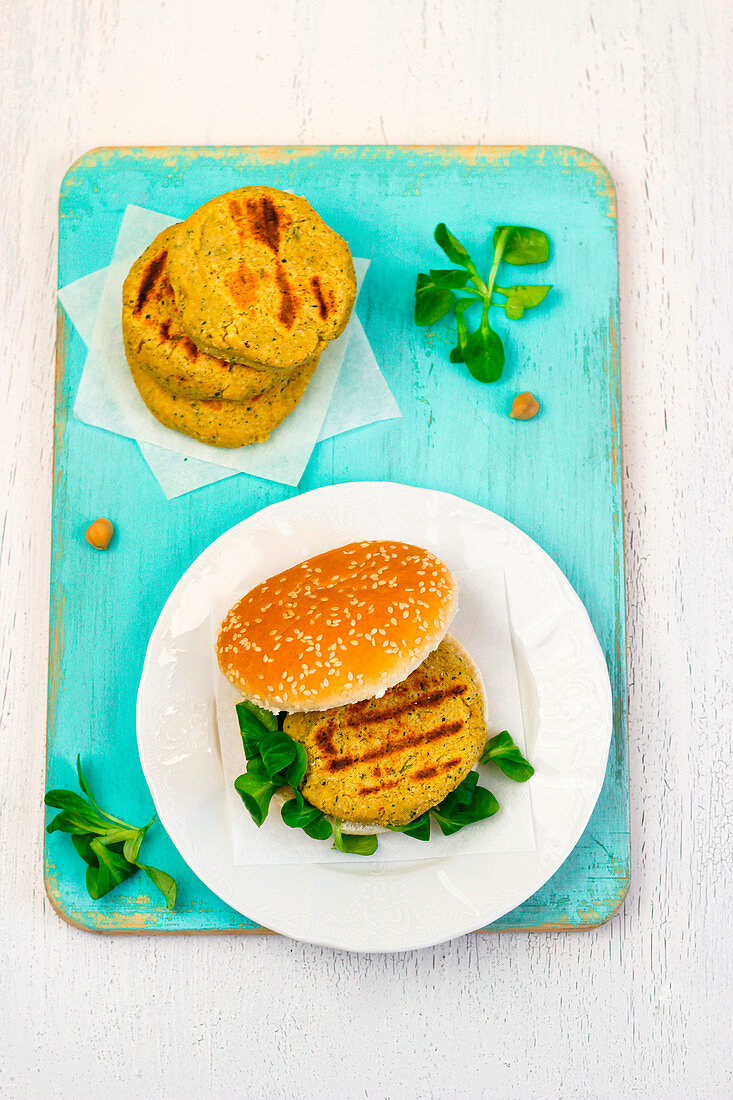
[(338, 628)]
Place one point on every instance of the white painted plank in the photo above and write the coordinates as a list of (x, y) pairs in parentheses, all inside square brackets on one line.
[(638, 1008)]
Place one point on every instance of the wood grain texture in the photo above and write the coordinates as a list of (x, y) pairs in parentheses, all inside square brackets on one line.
[(637, 1008)]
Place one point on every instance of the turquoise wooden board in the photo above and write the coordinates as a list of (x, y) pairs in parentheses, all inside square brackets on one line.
[(557, 477)]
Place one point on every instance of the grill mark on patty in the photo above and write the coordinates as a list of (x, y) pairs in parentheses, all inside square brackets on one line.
[(265, 221), (261, 221), (386, 786), (338, 763), (431, 770), (369, 717), (288, 300), (325, 301), (190, 349), (324, 738), (147, 282), (186, 345)]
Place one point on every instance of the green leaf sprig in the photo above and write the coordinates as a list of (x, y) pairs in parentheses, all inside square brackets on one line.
[(297, 813), (359, 844), (469, 802), (502, 751), (481, 350), (275, 760), (466, 804), (109, 847)]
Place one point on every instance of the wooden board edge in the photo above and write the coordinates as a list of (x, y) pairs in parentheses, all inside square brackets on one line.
[(277, 154), (99, 930), (469, 153)]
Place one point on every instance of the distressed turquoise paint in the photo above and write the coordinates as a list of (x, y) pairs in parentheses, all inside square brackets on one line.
[(558, 477)]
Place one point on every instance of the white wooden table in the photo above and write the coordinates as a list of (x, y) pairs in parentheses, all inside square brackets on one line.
[(638, 1008)]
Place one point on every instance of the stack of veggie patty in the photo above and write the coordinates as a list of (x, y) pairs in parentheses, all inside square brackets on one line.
[(225, 315)]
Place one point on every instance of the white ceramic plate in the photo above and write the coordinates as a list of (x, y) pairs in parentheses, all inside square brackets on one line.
[(566, 702)]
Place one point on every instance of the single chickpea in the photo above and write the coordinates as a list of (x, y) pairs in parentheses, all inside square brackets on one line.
[(100, 533), (524, 406)]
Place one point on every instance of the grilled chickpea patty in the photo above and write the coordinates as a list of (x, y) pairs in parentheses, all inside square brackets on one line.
[(154, 338), (260, 279), (385, 761), (224, 423)]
